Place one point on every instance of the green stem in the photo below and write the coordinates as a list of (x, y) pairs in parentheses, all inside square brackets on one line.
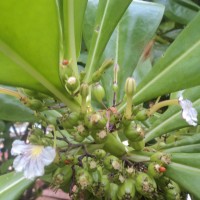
[(159, 105), (128, 111)]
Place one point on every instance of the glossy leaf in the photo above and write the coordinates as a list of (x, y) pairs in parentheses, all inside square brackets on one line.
[(72, 13), (167, 74), (13, 185), (187, 140), (181, 11), (108, 15), (31, 52), (11, 109), (135, 30), (187, 159), (188, 177), (192, 148), (172, 119)]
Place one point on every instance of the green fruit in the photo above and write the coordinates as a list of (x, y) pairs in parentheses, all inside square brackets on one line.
[(95, 121), (154, 170), (126, 190), (145, 185), (84, 179), (100, 136), (111, 162), (134, 132), (98, 92), (113, 145), (99, 153), (141, 115), (162, 158), (113, 191), (137, 145)]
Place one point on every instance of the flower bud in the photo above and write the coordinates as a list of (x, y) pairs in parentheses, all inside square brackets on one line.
[(126, 190), (115, 87), (145, 185), (84, 90), (130, 87), (98, 92), (71, 83)]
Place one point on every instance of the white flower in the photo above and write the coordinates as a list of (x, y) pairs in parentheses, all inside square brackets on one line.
[(188, 112), (31, 159)]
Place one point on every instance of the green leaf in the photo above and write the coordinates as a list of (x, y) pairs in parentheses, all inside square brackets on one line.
[(181, 11), (30, 52), (189, 159), (187, 140), (108, 15), (13, 185), (176, 70), (186, 176), (136, 28), (172, 119), (72, 14), (192, 148), (11, 109)]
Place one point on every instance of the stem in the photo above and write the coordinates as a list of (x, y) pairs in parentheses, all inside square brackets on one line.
[(128, 111), (159, 105)]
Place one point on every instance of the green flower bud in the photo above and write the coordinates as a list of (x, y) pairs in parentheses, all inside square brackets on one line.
[(84, 90), (115, 87), (99, 153), (134, 132), (162, 158), (126, 190), (137, 145), (130, 87), (146, 185), (98, 92), (71, 83)]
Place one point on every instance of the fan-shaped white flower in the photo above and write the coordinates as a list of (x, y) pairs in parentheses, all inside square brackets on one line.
[(31, 159), (188, 112)]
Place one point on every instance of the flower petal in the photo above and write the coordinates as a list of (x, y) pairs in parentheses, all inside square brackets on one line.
[(19, 147), (48, 154), (20, 162)]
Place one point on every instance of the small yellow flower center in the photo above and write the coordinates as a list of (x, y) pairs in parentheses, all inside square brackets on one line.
[(36, 150)]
